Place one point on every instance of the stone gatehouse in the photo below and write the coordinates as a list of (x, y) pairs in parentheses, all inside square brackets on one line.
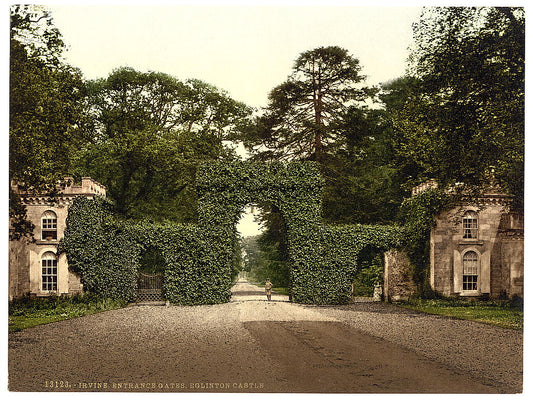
[(477, 248), (34, 266)]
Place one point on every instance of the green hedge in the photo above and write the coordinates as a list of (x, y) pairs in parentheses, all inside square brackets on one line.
[(200, 258), (107, 252), (101, 250), (324, 262)]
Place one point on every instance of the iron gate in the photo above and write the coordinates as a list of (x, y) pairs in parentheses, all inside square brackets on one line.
[(150, 287)]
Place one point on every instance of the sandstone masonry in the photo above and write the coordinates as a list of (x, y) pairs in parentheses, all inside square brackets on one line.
[(477, 248), (34, 266)]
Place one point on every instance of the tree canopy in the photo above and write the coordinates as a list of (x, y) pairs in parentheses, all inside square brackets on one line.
[(299, 120), (461, 114), (457, 115), (45, 111), (150, 131)]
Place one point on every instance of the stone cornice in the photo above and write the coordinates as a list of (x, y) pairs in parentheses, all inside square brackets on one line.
[(59, 200), (485, 199)]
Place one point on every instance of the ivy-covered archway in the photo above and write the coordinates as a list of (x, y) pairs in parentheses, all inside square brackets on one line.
[(199, 258), (224, 188), (322, 258)]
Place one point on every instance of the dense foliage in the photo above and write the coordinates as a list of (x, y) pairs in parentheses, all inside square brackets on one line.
[(266, 254), (199, 259), (418, 217), (45, 109), (321, 113), (362, 181), (150, 132), (457, 115), (460, 113), (325, 259), (100, 249), (369, 272), (300, 120), (107, 253)]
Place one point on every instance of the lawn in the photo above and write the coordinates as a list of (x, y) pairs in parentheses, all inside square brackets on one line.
[(504, 314), (31, 311)]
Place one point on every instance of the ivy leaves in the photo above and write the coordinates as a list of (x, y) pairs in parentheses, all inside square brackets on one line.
[(199, 259)]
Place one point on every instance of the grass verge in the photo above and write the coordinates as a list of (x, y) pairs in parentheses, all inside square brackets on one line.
[(29, 312), (506, 314), (279, 290)]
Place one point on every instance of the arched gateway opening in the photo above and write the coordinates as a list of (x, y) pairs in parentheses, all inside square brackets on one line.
[(264, 254), (291, 191)]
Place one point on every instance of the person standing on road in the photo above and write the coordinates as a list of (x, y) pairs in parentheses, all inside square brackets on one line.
[(268, 289)]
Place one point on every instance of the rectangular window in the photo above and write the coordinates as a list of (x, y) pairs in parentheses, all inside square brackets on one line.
[(49, 228), (49, 274), (470, 270), (49, 223), (470, 228), (469, 282)]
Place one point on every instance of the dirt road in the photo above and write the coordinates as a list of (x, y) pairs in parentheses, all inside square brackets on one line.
[(251, 345)]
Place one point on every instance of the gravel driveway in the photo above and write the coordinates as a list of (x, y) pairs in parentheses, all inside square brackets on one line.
[(251, 345)]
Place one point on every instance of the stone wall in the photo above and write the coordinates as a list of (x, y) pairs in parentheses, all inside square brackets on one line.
[(19, 275), (398, 283), (74, 283), (507, 263)]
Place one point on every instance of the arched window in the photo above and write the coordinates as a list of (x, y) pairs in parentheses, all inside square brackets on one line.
[(470, 270), (49, 271), (49, 226), (470, 226)]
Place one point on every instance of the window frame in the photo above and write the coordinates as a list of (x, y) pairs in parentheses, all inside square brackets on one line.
[(49, 269), (49, 225), (470, 274), (470, 225)]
